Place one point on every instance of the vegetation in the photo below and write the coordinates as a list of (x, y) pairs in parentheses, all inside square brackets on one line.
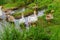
[(30, 6), (34, 33), (26, 13), (42, 30)]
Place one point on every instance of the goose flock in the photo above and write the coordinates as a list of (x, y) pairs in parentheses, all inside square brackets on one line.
[(29, 19)]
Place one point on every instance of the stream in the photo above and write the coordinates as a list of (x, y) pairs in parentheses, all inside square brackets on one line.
[(16, 21)]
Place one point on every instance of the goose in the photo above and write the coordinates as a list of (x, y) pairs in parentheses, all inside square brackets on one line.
[(18, 22), (0, 10), (10, 18), (2, 14), (49, 17), (32, 18), (22, 20), (26, 23)]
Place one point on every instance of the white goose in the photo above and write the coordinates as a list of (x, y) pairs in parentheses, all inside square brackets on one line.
[(22, 20), (1, 11), (33, 18), (2, 14)]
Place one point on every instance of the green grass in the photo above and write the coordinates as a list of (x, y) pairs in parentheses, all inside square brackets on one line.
[(13, 5), (34, 33)]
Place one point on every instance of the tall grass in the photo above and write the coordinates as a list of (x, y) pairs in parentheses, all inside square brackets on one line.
[(34, 33), (10, 33)]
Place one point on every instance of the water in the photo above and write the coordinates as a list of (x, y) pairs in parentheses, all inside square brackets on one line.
[(41, 13), (17, 24), (26, 23), (3, 24), (22, 10), (3, 16), (25, 20), (19, 10)]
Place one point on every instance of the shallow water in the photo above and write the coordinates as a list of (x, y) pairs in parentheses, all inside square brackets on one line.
[(19, 10), (41, 12), (16, 21)]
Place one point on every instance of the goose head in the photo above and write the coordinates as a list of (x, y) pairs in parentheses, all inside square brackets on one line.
[(22, 15), (0, 7)]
